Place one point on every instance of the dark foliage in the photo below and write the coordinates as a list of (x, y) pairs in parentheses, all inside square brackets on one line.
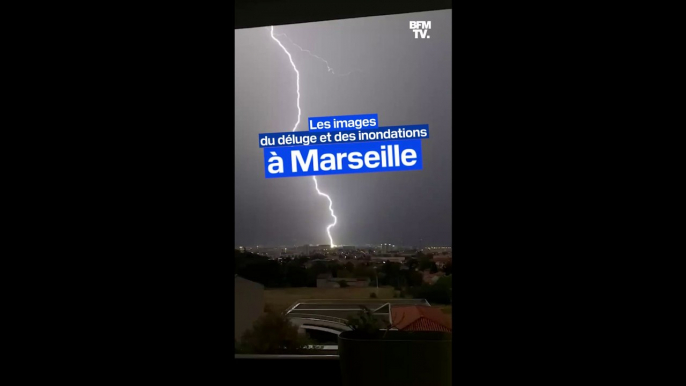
[(448, 268), (391, 274), (273, 333), (440, 293), (425, 262), (365, 324), (273, 274), (412, 264), (413, 278), (293, 272)]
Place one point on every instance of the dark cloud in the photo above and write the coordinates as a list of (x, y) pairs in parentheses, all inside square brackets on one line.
[(403, 79)]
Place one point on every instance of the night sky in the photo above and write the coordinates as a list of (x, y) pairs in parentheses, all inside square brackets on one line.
[(402, 79)]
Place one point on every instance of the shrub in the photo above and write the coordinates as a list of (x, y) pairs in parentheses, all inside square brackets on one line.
[(365, 323), (273, 333), (440, 293), (372, 295), (343, 283)]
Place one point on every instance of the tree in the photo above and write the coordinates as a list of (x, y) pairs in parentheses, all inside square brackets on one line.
[(413, 278), (344, 273), (448, 268), (434, 268), (273, 333), (333, 268), (266, 272), (311, 278), (432, 293), (365, 322), (439, 293), (319, 267), (425, 263), (391, 273), (241, 259), (296, 275), (363, 271), (412, 264), (350, 267)]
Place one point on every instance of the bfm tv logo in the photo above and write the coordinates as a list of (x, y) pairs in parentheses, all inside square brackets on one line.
[(420, 28)]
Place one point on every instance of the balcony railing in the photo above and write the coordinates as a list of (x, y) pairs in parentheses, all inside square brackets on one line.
[(318, 317)]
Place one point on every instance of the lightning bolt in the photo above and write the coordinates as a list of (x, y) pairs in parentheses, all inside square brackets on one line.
[(316, 186), (328, 68)]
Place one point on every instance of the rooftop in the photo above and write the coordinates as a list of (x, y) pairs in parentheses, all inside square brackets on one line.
[(420, 318)]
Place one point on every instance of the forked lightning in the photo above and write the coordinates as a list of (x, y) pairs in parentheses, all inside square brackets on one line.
[(297, 83)]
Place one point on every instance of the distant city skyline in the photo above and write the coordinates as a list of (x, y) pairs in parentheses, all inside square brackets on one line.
[(341, 246)]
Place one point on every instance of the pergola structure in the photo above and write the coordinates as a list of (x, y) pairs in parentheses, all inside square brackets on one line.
[(332, 314)]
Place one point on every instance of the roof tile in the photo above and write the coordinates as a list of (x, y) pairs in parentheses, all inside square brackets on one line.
[(419, 318)]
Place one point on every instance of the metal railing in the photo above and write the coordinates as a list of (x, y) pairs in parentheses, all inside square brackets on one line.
[(318, 317), (303, 303), (323, 318), (353, 301)]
